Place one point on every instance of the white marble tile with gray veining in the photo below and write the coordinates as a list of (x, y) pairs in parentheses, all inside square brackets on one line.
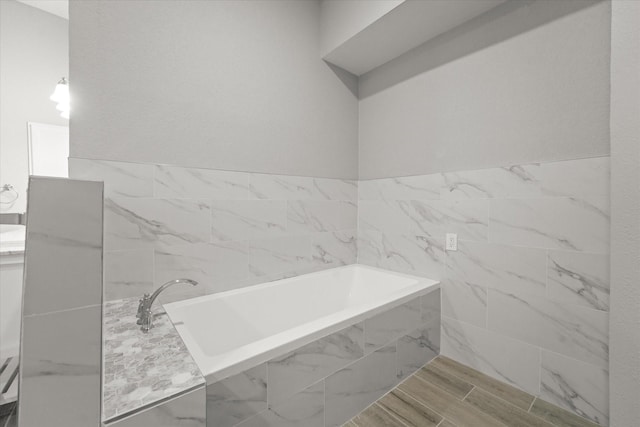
[(579, 278), (206, 263), (352, 389), (496, 266), (576, 178), (278, 255), (554, 223), (465, 301), (188, 410), (392, 324), (121, 179), (141, 369), (467, 218), (306, 365), (281, 187), (571, 330), (384, 216), (576, 386), (405, 253), (193, 183), (417, 348), (334, 249), (513, 181), (419, 187), (335, 189), (306, 216), (304, 409), (431, 307), (511, 361), (128, 273), (60, 368), (146, 223), (63, 245), (248, 219), (237, 398)]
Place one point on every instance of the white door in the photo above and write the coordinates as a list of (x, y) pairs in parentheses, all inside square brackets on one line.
[(48, 150)]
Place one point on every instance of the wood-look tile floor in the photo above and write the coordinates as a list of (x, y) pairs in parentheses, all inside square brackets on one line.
[(445, 393)]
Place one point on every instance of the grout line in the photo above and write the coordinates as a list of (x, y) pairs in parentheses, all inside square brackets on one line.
[(390, 414), (467, 395), (531, 406)]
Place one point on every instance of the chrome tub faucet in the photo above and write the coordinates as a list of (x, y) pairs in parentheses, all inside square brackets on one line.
[(145, 318)]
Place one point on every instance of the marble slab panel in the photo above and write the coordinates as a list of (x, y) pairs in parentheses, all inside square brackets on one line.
[(553, 223), (464, 301), (350, 390), (278, 255), (194, 183), (419, 187), (128, 273), (290, 187), (248, 219), (237, 398), (63, 245), (513, 181), (392, 324), (405, 253), (467, 218), (576, 386), (571, 330), (188, 410), (579, 278), (335, 189), (60, 368), (576, 178), (121, 179), (333, 249), (495, 266), (206, 263), (300, 368), (313, 216), (505, 359), (304, 409), (417, 348), (146, 223)]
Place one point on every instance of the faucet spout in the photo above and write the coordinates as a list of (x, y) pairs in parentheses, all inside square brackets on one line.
[(145, 318)]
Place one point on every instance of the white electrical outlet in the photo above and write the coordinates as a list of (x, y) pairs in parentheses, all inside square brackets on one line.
[(451, 242)]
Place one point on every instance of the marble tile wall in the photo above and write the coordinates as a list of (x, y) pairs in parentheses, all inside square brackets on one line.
[(224, 229), (60, 354), (332, 379), (526, 296)]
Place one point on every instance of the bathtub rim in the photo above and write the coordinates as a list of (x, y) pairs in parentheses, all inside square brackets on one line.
[(217, 368)]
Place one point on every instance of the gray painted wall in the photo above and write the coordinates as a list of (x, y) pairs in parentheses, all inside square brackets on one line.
[(225, 85), (34, 52), (624, 328), (526, 82)]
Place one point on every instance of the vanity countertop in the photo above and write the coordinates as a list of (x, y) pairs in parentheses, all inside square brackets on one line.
[(142, 369)]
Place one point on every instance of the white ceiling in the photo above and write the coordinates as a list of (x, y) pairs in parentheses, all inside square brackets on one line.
[(57, 7)]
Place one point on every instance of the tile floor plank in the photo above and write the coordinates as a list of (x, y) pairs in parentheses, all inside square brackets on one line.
[(461, 413), (409, 411), (504, 391), (503, 411), (558, 416), (451, 384), (375, 416)]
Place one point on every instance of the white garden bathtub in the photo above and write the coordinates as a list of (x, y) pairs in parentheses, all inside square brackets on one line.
[(230, 332)]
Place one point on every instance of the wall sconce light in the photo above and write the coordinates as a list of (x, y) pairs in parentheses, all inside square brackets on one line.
[(61, 97)]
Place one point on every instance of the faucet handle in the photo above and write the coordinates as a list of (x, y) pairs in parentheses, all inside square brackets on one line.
[(141, 307)]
